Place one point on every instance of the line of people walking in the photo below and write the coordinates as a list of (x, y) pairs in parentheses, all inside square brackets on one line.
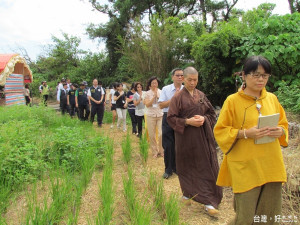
[(83, 100), (182, 128)]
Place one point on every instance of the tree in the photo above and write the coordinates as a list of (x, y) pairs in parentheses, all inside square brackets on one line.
[(276, 38), (59, 58), (294, 6), (213, 54), (122, 14), (158, 48), (91, 66), (218, 11)]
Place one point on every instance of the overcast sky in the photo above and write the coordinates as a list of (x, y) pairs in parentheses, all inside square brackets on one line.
[(30, 23)]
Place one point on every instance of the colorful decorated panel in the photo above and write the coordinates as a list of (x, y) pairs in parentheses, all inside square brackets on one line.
[(14, 99), (14, 83)]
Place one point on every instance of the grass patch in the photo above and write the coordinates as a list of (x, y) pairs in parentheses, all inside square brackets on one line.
[(139, 214), (127, 148), (144, 147), (106, 191), (172, 210), (35, 142)]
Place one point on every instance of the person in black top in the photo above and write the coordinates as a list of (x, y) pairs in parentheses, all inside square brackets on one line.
[(63, 99), (131, 108), (121, 105), (96, 95), (82, 103), (71, 99)]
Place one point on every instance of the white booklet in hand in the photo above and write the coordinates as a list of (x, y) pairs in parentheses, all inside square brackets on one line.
[(267, 121)]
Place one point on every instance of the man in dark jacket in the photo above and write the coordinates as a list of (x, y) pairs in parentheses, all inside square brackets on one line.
[(71, 99), (96, 95), (63, 99), (82, 103)]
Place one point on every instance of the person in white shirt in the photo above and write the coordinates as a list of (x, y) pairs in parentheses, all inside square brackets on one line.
[(68, 84), (168, 136), (138, 101), (113, 104)]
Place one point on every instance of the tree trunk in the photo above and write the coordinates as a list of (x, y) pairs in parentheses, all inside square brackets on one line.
[(291, 5), (294, 6), (203, 9)]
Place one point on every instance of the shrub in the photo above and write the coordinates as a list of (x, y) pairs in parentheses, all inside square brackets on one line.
[(289, 96)]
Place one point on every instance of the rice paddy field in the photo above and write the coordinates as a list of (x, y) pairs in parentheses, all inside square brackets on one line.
[(58, 170)]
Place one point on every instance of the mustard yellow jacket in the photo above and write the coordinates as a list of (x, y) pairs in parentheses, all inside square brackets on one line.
[(247, 165)]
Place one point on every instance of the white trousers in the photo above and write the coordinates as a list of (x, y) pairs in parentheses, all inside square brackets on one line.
[(121, 117)]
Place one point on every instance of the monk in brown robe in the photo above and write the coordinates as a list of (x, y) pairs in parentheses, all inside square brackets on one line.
[(192, 117)]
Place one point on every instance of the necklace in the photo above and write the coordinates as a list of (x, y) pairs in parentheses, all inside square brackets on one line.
[(258, 107)]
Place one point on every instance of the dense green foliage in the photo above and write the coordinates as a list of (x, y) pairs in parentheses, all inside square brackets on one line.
[(34, 140), (64, 59), (278, 39), (213, 56), (139, 47), (289, 96), (122, 14)]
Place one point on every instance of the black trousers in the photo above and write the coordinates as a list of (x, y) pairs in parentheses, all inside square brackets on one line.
[(81, 114), (168, 143), (27, 99), (139, 120), (73, 109), (133, 119), (64, 107), (99, 110), (45, 99)]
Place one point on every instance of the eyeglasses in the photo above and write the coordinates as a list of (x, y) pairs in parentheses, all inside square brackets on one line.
[(178, 75), (258, 75)]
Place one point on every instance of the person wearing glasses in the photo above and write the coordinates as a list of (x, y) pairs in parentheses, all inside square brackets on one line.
[(168, 137), (254, 171)]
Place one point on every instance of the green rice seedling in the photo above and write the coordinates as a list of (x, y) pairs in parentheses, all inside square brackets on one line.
[(88, 163), (138, 212), (37, 214), (159, 198), (126, 148), (5, 194), (172, 210), (106, 189), (144, 146), (143, 215), (152, 182), (75, 206), (109, 152), (62, 194), (129, 193), (2, 220), (107, 197)]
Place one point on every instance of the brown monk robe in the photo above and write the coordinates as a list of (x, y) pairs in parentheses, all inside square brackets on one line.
[(196, 157)]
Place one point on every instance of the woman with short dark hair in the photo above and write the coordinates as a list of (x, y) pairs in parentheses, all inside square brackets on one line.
[(154, 117), (254, 171), (138, 98)]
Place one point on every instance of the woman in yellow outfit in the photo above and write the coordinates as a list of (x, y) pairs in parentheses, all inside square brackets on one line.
[(254, 171)]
